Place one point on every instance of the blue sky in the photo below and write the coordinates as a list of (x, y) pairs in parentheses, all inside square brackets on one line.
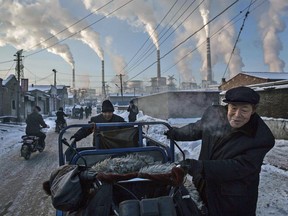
[(261, 46)]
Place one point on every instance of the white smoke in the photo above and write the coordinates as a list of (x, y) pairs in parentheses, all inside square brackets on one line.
[(118, 62), (204, 11), (271, 24), (24, 24), (136, 13), (31, 25), (184, 66)]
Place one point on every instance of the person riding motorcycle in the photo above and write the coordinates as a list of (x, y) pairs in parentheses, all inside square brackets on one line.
[(35, 123), (60, 118)]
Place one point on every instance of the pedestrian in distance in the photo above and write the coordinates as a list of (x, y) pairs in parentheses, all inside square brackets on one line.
[(133, 111), (81, 110), (235, 141), (86, 112)]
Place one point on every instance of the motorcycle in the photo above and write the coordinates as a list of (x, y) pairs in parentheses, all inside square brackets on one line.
[(30, 144), (59, 126)]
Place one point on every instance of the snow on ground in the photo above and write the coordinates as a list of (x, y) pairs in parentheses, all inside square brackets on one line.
[(273, 188)]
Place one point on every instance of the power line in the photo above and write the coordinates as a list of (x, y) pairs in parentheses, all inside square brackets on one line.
[(85, 17), (228, 24), (144, 58), (8, 61), (93, 23), (238, 36), (182, 42), (149, 36)]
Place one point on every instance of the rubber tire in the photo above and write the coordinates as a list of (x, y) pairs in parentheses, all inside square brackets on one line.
[(25, 152), (41, 150)]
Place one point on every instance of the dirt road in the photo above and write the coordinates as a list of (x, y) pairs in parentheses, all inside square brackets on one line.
[(21, 180)]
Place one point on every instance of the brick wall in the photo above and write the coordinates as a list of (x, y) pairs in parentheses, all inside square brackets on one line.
[(274, 103)]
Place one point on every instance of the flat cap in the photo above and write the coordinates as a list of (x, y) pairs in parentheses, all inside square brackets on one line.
[(242, 94)]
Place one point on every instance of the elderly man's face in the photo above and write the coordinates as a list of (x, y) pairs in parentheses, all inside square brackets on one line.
[(239, 114), (107, 115)]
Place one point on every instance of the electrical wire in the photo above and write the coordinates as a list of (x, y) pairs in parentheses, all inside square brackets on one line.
[(238, 36), (85, 17), (149, 37), (227, 25), (77, 32), (186, 39), (151, 51)]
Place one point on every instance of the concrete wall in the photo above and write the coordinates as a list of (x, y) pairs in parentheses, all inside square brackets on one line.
[(177, 104)]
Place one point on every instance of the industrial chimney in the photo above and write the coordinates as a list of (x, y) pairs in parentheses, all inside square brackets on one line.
[(158, 64), (209, 67), (73, 77), (103, 81)]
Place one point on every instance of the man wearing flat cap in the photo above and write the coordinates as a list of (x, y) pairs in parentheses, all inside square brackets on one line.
[(235, 141)]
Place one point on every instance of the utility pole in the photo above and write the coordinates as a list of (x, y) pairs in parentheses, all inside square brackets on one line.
[(55, 88), (19, 70), (121, 86)]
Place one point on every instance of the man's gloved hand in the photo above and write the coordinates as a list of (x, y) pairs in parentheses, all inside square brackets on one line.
[(88, 175), (192, 167), (169, 133)]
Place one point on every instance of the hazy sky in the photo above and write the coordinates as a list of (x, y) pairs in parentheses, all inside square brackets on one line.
[(62, 34)]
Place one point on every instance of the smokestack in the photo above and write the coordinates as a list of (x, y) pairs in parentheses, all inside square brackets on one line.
[(73, 78), (103, 81), (209, 67), (158, 64)]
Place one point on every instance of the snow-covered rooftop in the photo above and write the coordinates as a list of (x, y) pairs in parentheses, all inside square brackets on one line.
[(11, 76), (269, 75)]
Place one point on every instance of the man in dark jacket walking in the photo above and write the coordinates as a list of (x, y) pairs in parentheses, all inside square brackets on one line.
[(106, 116), (133, 111), (35, 123), (235, 141)]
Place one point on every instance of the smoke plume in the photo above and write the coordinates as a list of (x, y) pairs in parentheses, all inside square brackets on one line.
[(118, 62), (204, 11), (136, 13), (31, 25), (271, 25)]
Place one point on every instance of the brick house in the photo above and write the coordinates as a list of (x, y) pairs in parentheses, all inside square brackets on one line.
[(252, 78), (8, 96)]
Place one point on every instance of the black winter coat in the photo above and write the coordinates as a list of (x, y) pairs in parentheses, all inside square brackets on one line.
[(231, 159), (60, 116), (133, 111), (34, 123), (84, 132)]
